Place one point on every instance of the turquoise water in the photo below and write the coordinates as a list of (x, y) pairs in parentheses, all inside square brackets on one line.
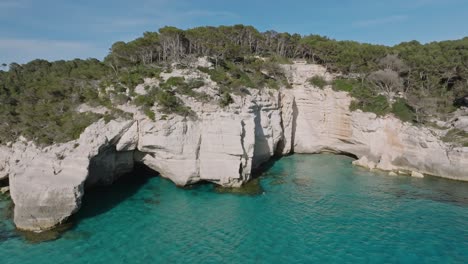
[(313, 209)]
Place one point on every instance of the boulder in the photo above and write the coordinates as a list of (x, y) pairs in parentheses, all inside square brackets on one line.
[(416, 174)]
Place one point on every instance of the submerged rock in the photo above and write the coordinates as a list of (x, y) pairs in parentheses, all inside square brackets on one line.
[(35, 237), (251, 188)]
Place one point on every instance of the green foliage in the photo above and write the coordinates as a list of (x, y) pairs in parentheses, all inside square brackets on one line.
[(38, 99), (344, 85), (166, 100), (186, 87), (149, 113), (280, 60), (120, 99), (365, 98), (403, 111), (378, 105), (456, 136), (173, 82), (318, 81), (144, 100), (195, 83), (434, 70), (225, 99), (130, 77), (248, 73)]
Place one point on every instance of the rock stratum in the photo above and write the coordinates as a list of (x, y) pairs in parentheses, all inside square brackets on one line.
[(219, 145)]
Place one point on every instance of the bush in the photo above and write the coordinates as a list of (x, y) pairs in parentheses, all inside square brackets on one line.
[(195, 83), (343, 85), (280, 59), (403, 111), (378, 105), (169, 103), (456, 136), (173, 82), (226, 99), (121, 99), (149, 113), (247, 73), (144, 100), (318, 81)]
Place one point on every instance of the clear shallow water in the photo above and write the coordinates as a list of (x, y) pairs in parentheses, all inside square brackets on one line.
[(315, 208)]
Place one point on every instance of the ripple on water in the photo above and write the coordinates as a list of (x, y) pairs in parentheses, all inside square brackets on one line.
[(303, 209)]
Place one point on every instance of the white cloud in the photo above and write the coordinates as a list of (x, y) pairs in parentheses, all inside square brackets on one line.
[(24, 50), (380, 21)]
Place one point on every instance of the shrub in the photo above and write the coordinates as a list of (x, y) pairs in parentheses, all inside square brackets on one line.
[(226, 99), (378, 105), (403, 111), (195, 83), (120, 99), (144, 100), (343, 85), (173, 82), (149, 113), (456, 136), (318, 81)]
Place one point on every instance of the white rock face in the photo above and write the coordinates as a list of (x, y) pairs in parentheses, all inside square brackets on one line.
[(324, 123), (129, 140), (218, 145), (47, 184), (299, 73), (461, 122)]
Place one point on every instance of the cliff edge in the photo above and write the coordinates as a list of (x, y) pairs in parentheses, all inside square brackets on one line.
[(219, 145)]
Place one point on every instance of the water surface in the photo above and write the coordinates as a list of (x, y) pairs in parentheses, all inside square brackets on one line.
[(313, 209)]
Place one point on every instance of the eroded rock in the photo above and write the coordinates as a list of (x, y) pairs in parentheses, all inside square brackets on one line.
[(219, 145)]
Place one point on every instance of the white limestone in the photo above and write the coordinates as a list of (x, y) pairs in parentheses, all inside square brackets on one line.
[(417, 174), (219, 145)]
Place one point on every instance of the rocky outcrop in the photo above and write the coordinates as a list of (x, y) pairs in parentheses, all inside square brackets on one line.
[(324, 124), (47, 184), (218, 145)]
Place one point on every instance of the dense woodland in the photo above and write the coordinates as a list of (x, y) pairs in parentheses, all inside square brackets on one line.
[(414, 81)]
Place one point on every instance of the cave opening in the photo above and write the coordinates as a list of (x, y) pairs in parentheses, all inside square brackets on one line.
[(99, 199)]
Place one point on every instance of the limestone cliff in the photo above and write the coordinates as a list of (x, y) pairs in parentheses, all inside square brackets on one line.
[(218, 145)]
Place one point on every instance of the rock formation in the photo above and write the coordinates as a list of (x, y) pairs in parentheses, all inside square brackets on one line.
[(218, 145)]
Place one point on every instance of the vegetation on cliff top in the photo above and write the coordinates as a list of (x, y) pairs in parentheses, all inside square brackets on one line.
[(414, 81)]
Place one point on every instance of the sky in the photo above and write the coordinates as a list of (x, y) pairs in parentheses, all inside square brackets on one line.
[(67, 29)]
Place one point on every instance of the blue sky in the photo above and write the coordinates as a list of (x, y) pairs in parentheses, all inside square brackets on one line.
[(60, 29)]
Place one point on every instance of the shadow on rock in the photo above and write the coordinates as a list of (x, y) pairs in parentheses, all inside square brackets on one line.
[(265, 167), (99, 200)]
